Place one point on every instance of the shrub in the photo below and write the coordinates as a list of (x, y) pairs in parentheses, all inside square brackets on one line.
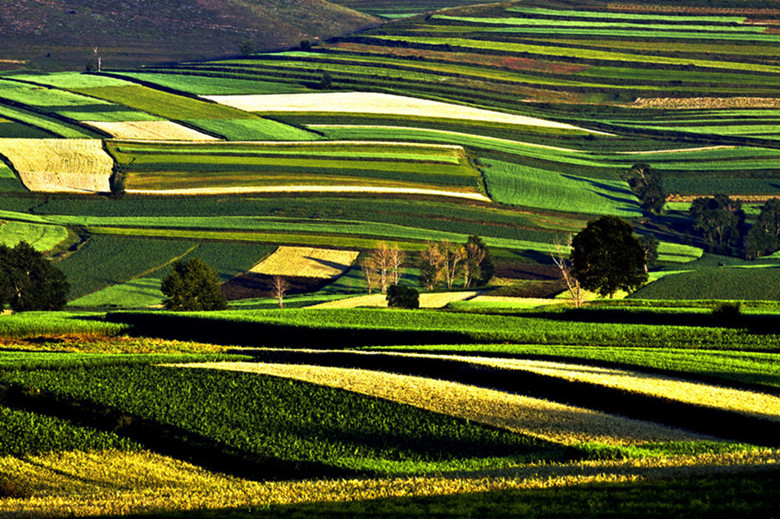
[(726, 312), (402, 297)]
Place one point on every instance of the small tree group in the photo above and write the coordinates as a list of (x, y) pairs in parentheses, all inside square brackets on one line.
[(647, 184), (447, 261), (764, 237), (382, 267), (29, 281), (720, 221)]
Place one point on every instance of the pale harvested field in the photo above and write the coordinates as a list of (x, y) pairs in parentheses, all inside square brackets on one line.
[(60, 165), (532, 416), (119, 483), (437, 300), (150, 130), (374, 103), (314, 189), (752, 403), (307, 262), (690, 103), (524, 301), (676, 150)]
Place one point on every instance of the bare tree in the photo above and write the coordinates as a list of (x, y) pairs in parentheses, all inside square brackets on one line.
[(397, 258), (370, 274), (98, 59), (452, 254), (280, 287), (430, 266), (475, 255), (563, 264), (381, 259)]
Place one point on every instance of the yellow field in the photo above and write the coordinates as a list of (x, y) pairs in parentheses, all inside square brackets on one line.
[(375, 103), (437, 300), (756, 404), (60, 165), (532, 416), (119, 483), (307, 262), (150, 130), (314, 189)]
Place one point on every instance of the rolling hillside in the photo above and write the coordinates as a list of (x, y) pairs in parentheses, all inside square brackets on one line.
[(63, 33), (511, 121)]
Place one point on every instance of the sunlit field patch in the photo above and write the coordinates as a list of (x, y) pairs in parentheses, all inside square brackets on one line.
[(150, 130), (753, 403), (60, 165), (306, 262), (114, 482), (436, 300), (373, 103), (526, 415)]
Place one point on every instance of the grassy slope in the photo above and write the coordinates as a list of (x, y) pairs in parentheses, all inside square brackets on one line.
[(148, 31)]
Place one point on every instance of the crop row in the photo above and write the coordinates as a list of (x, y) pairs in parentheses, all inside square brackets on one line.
[(275, 419), (732, 367)]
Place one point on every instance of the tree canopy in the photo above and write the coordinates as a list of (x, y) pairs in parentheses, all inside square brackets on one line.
[(720, 221), (648, 186), (193, 285), (764, 237), (29, 281), (606, 257)]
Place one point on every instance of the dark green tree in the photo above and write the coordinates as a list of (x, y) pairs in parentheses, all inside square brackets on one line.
[(764, 237), (478, 269), (400, 296), (192, 285), (720, 222), (30, 281), (650, 246), (606, 257), (647, 184)]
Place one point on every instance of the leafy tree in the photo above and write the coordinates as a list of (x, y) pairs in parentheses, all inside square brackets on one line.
[(193, 285), (764, 237), (29, 281), (478, 269), (399, 296), (648, 186), (719, 220), (606, 257)]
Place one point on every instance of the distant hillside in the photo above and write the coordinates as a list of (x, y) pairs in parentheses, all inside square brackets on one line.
[(55, 34)]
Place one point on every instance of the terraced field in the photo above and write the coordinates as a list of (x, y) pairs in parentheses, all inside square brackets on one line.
[(340, 427), (515, 122)]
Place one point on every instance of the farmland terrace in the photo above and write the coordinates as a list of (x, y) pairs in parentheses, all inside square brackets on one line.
[(516, 122)]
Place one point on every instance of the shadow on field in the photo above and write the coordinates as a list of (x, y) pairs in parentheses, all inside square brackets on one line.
[(700, 419), (165, 439), (184, 327)]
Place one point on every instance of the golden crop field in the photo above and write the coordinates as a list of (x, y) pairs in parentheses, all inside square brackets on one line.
[(526, 415), (150, 130), (118, 483), (437, 300), (753, 403), (60, 165), (692, 103), (307, 262), (376, 104)]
